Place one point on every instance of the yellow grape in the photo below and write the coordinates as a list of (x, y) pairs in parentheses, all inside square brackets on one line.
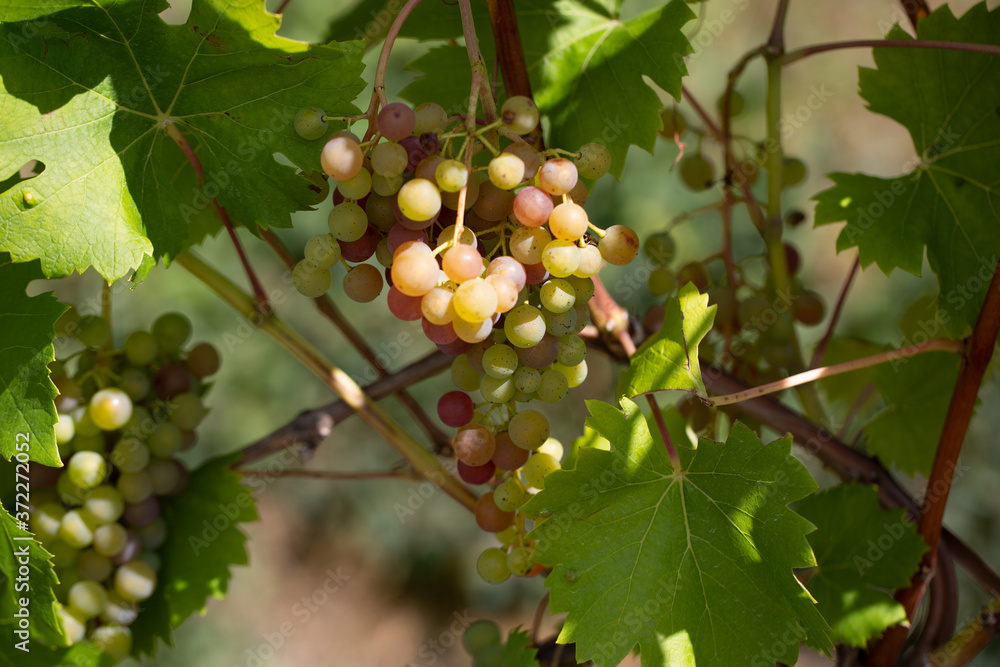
[(475, 300)]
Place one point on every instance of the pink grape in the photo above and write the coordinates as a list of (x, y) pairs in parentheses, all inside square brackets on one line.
[(456, 408)]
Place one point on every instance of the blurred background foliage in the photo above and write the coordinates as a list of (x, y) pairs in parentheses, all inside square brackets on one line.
[(410, 576)]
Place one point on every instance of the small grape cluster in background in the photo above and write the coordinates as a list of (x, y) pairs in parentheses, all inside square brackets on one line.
[(490, 248), (124, 415)]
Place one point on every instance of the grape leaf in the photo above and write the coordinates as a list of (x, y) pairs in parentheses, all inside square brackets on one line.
[(917, 391), (693, 566), (83, 654), (518, 651), (204, 541), (27, 412), (949, 202), (862, 551), (20, 550), (89, 92), (669, 358), (586, 66), (32, 9)]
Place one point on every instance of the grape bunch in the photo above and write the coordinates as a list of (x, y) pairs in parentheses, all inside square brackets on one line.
[(491, 250), (123, 416)]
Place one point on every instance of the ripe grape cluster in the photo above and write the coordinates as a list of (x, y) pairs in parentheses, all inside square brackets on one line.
[(123, 416), (491, 250)]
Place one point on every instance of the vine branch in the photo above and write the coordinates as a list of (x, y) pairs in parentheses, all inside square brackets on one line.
[(805, 52)]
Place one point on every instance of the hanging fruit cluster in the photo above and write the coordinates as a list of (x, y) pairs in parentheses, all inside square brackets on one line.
[(488, 245), (124, 415)]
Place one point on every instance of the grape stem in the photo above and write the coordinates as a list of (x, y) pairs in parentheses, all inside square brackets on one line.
[(805, 52), (932, 345), (403, 473), (378, 84), (817, 358), (260, 296), (326, 306), (423, 461)]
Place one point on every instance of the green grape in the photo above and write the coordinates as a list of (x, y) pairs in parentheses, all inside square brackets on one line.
[(382, 254), (105, 504), (69, 493), (537, 467), (135, 382), (572, 350), (140, 348), (77, 529), (93, 331), (561, 258), (135, 486), (130, 455), (793, 171), (475, 300), (87, 469), (524, 326), (553, 448), (509, 535), (509, 495), (661, 281), (430, 117), (172, 331), (87, 598), (113, 640), (463, 375), (45, 521), (347, 221), (526, 380), (736, 104), (660, 248), (451, 176), (480, 636), (135, 581), (697, 172), (357, 187), (497, 390), (583, 286), (165, 475), (673, 122), (529, 429), (389, 159), (557, 295), (310, 279), (153, 535), (553, 387), (93, 566), (506, 171), (594, 160), (165, 441), (527, 244), (559, 324), (65, 429), (110, 539), (419, 199), (386, 186), (575, 374), (73, 625), (519, 114), (323, 251), (519, 562), (186, 411), (84, 424), (500, 361), (492, 566), (119, 611), (310, 123), (619, 245), (110, 409)]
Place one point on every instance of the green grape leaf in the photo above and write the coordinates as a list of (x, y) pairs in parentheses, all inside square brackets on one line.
[(669, 358), (948, 202), (451, 92), (586, 66), (27, 412), (33, 9), (917, 391), (862, 551), (693, 566), (26, 575), (90, 93), (204, 542), (518, 651)]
